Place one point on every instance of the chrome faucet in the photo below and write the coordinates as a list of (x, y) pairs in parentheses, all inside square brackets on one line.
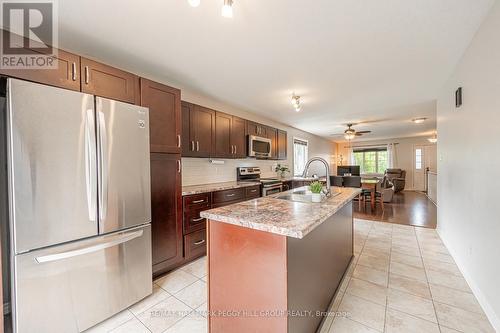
[(327, 167)]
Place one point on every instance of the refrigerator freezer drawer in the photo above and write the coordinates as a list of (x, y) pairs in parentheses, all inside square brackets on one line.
[(71, 287)]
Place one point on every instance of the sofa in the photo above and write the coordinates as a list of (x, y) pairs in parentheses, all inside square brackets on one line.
[(397, 178)]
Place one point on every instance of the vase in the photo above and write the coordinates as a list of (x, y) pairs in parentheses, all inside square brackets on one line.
[(316, 197)]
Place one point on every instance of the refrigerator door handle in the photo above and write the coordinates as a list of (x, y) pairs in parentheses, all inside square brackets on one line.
[(90, 164), (98, 246), (103, 166)]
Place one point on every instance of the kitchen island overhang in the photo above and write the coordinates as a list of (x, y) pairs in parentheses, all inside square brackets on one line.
[(275, 265)]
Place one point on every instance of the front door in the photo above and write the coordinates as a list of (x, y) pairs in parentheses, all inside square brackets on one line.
[(424, 158)]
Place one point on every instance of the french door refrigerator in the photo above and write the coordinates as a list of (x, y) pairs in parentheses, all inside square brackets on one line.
[(79, 203)]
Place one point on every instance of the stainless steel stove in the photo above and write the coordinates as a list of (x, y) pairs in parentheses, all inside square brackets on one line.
[(268, 185)]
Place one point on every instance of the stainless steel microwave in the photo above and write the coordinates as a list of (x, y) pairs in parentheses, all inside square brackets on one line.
[(259, 146)]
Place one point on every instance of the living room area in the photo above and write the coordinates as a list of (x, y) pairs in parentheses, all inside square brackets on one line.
[(398, 176)]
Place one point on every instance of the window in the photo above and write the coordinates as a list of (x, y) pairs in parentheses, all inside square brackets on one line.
[(371, 160), (418, 159), (300, 156)]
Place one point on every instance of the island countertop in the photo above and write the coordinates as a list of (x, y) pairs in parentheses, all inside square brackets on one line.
[(282, 217)]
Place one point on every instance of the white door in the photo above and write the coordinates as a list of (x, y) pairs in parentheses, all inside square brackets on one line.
[(430, 154), (419, 168)]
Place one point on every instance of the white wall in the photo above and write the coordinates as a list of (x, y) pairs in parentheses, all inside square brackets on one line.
[(469, 138), (404, 153), (199, 171)]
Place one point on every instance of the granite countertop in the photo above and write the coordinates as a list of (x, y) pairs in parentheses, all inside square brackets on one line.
[(204, 188), (282, 217)]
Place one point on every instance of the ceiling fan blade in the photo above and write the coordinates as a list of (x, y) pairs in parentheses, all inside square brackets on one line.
[(358, 134), (364, 132)]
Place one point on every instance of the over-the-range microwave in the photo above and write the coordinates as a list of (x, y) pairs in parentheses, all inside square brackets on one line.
[(259, 146)]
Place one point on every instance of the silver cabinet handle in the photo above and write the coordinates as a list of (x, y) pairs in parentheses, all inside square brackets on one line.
[(73, 71), (235, 149), (198, 201), (198, 219), (90, 165), (178, 141), (103, 165), (179, 168), (87, 75), (192, 145), (197, 145), (99, 245), (199, 242), (253, 191), (232, 149), (230, 195)]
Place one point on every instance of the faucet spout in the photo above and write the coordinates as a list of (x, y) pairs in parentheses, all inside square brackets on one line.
[(327, 167)]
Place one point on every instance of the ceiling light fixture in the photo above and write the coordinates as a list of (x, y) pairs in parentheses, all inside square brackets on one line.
[(419, 120), (194, 3), (296, 102), (349, 136), (227, 9), (434, 138)]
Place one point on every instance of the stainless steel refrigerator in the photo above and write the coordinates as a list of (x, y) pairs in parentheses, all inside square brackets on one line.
[(79, 206)]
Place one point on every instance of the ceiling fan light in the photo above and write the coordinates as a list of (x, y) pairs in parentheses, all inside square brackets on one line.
[(194, 3), (227, 9)]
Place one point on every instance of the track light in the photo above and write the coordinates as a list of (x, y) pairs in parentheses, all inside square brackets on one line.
[(227, 9), (194, 3)]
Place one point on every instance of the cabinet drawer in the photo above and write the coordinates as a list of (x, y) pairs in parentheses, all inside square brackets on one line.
[(196, 201), (195, 244), (252, 192), (193, 221), (229, 195)]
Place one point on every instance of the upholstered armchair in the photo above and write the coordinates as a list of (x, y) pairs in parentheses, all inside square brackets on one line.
[(397, 177), (385, 189)]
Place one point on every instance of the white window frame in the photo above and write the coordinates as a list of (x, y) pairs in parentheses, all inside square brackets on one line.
[(295, 173), (376, 161)]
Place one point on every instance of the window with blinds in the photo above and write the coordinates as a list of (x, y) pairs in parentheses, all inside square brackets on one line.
[(372, 160), (300, 156)]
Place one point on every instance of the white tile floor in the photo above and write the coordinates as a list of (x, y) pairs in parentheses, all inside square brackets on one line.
[(402, 279)]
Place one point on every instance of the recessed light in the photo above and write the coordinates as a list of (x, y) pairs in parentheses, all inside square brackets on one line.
[(419, 120)]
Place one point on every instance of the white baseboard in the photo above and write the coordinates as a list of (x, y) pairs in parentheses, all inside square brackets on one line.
[(487, 308)]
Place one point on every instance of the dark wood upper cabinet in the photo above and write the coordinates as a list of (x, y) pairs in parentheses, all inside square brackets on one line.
[(198, 130), (238, 137), (110, 82), (164, 105), (272, 134), (66, 75), (281, 145), (166, 209), (223, 146), (256, 129)]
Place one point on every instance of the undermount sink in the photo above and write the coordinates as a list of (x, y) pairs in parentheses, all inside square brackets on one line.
[(303, 196)]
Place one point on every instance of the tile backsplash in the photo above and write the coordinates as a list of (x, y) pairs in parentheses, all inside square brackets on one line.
[(197, 171)]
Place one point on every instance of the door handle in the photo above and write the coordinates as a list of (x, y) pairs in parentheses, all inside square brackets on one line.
[(198, 219), (199, 242), (179, 168), (192, 145), (235, 149), (232, 149), (103, 164), (90, 164), (87, 75), (197, 145), (198, 201), (230, 195), (178, 141), (100, 245), (73, 71)]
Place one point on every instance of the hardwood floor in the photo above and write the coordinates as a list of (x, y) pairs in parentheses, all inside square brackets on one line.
[(407, 207)]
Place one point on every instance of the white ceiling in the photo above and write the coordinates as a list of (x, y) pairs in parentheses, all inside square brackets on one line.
[(376, 61)]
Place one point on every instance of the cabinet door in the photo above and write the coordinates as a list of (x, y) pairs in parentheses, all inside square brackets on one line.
[(166, 207), (164, 105), (187, 140), (66, 75), (281, 145), (223, 145), (109, 82), (202, 130), (256, 129), (272, 133), (238, 137)]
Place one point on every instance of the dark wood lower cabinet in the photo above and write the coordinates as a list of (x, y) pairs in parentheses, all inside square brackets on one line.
[(166, 209)]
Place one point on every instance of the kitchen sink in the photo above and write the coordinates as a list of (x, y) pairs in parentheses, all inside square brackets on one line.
[(303, 196)]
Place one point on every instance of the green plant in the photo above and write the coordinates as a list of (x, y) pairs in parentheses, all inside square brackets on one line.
[(281, 168), (316, 187)]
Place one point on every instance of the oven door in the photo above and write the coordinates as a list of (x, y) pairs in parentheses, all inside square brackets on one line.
[(258, 146), (271, 190)]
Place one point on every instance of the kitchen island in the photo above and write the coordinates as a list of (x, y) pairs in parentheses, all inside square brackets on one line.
[(274, 265)]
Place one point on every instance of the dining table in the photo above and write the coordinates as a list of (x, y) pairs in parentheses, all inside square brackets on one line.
[(370, 184)]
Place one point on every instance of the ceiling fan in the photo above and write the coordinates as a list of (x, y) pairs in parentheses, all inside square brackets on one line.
[(350, 133)]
